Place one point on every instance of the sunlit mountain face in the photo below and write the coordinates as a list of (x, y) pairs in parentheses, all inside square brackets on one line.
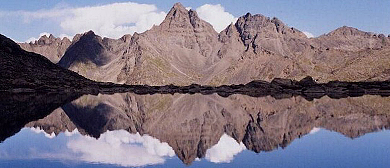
[(130, 130)]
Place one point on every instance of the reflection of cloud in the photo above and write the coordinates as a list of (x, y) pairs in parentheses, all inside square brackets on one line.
[(121, 148), (113, 147), (224, 150), (38, 130), (216, 16), (75, 131), (314, 130)]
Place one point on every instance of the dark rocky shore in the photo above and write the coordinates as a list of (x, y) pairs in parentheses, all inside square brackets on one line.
[(278, 88)]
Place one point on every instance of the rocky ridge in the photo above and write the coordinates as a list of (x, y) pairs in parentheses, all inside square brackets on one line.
[(51, 47)]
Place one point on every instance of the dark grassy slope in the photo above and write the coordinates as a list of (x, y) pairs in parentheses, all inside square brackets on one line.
[(27, 70)]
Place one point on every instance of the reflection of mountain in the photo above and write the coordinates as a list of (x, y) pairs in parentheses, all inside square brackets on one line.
[(17, 110), (191, 124)]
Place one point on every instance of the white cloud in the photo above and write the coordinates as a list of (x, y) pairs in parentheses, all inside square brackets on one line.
[(122, 148), (308, 35), (225, 150), (314, 130), (112, 20), (216, 16)]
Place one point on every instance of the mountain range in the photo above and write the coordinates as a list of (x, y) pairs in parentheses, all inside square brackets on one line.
[(185, 49)]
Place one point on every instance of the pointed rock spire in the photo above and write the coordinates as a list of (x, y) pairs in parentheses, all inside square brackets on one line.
[(177, 8), (51, 36), (178, 12), (43, 40), (181, 18), (177, 17), (349, 31)]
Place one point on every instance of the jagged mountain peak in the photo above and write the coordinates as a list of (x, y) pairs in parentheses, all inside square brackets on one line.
[(44, 40), (50, 46), (259, 22), (77, 37), (43, 37), (181, 18), (259, 32), (258, 17), (352, 39), (349, 31), (178, 6), (90, 33), (126, 38), (177, 12)]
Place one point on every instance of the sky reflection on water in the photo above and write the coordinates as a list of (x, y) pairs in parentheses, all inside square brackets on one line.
[(321, 148)]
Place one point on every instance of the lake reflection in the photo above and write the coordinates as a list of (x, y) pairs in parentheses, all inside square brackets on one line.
[(126, 129)]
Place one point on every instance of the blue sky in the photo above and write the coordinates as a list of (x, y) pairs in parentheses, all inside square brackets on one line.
[(23, 19)]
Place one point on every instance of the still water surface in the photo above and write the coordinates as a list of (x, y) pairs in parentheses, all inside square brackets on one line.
[(129, 130)]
